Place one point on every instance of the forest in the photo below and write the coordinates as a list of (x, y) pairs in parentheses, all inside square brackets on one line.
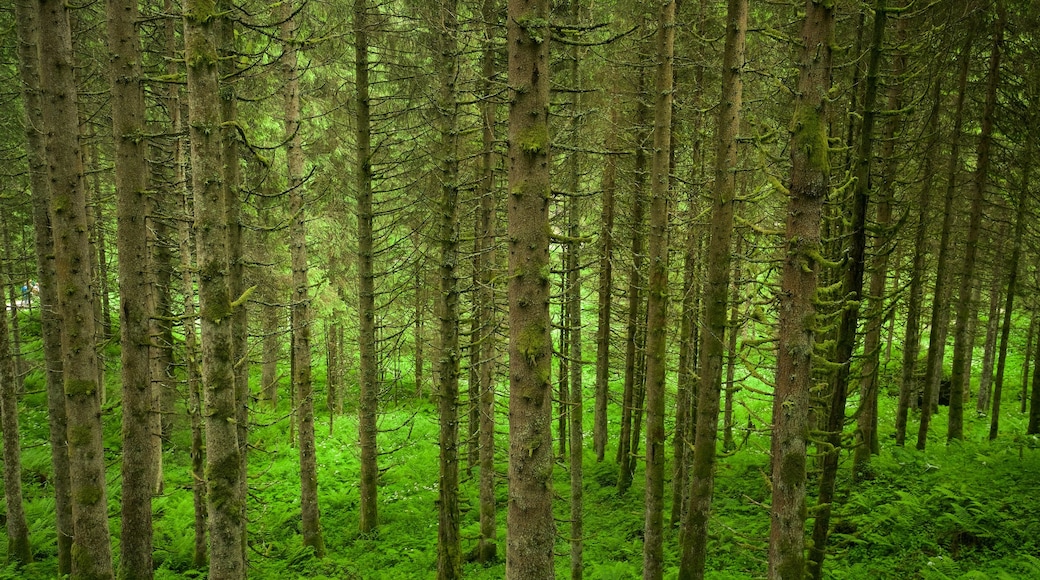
[(525, 289)]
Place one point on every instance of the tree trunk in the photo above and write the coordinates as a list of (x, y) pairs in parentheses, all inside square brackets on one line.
[(716, 295), (300, 303), (605, 291), (92, 556), (810, 174), (223, 452), (368, 408), (19, 551), (989, 351), (1016, 255), (28, 60), (136, 306), (531, 530), (486, 312), (940, 301), (657, 304), (1030, 351), (449, 542), (962, 341)]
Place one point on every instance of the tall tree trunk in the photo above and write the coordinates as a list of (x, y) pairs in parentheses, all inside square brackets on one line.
[(657, 304), (1030, 351), (135, 312), (940, 301), (486, 343), (223, 452), (531, 530), (716, 295), (26, 26), (19, 551), (1016, 255), (605, 290), (92, 555), (992, 327), (728, 445), (449, 542), (912, 339), (300, 303), (810, 176), (962, 340), (632, 400), (368, 407)]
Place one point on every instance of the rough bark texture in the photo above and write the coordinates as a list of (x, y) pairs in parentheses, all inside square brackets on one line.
[(992, 327), (487, 346), (223, 452), (368, 408), (50, 321), (810, 173), (449, 541), (91, 551), (716, 291), (532, 532), (135, 312), (300, 304), (657, 302), (962, 339)]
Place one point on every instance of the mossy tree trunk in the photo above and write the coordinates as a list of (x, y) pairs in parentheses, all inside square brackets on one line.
[(135, 288), (486, 345), (445, 30), (809, 185), (716, 297), (92, 556), (26, 19), (368, 408), (962, 339), (657, 300), (223, 452), (852, 293), (531, 529)]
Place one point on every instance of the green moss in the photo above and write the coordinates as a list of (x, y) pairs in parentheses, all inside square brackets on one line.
[(809, 135), (87, 494), (531, 343), (534, 140), (80, 436), (223, 477), (79, 387)]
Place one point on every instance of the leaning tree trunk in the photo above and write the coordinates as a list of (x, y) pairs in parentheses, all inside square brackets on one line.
[(26, 18), (810, 175), (962, 340), (716, 295), (223, 452), (92, 553), (531, 530)]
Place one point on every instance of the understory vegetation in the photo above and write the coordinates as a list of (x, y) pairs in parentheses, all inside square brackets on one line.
[(964, 510)]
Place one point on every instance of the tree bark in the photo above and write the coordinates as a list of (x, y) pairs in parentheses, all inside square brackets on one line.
[(810, 174), (716, 296), (92, 556), (135, 312), (605, 291), (368, 408), (19, 551), (531, 530), (962, 340), (223, 451)]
